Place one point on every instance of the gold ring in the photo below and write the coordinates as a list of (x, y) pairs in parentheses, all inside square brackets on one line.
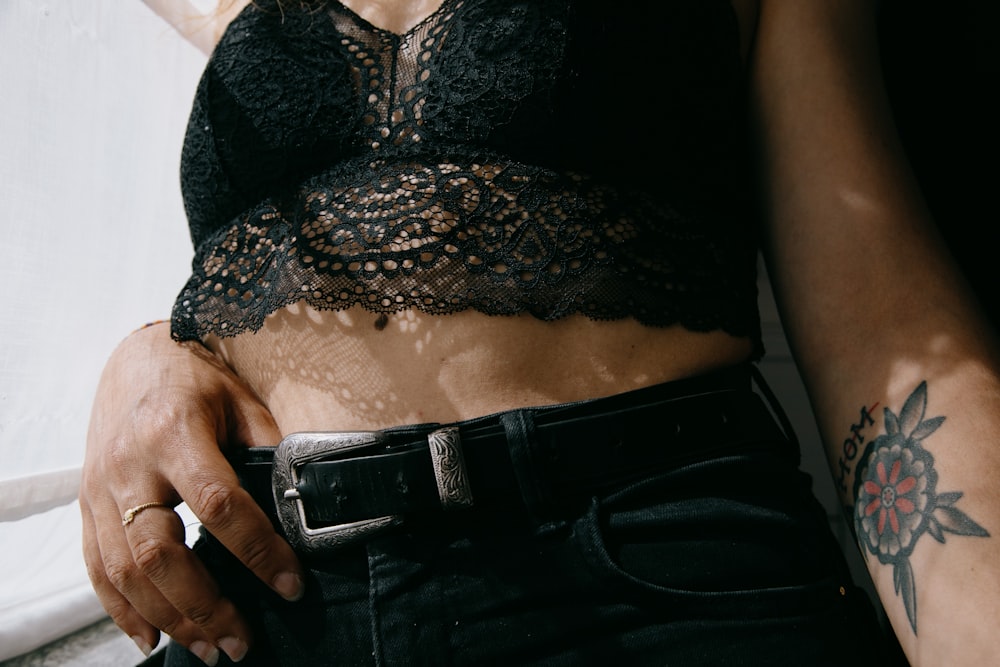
[(132, 512)]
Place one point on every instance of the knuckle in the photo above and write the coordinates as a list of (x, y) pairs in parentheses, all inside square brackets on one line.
[(120, 452), (122, 574), (155, 417), (215, 503), (201, 615), (255, 553), (120, 612), (152, 556), (173, 625)]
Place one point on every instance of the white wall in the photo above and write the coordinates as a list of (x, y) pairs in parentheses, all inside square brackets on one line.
[(94, 96)]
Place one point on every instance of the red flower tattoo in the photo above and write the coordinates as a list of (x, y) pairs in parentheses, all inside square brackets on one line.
[(896, 499)]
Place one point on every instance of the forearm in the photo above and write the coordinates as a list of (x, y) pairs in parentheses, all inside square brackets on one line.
[(877, 314), (916, 463)]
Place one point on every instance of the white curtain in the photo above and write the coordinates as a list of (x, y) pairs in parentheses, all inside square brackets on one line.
[(94, 96)]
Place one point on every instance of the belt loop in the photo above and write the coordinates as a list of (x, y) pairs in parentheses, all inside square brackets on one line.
[(519, 426), (448, 462)]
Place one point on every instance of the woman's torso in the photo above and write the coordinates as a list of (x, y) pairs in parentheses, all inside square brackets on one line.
[(356, 369)]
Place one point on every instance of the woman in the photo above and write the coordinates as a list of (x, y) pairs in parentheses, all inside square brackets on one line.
[(420, 220)]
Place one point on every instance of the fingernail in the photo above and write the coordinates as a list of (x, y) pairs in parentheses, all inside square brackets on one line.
[(235, 648), (289, 586), (143, 646), (207, 653)]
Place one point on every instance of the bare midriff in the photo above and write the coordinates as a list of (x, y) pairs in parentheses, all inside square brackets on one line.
[(351, 369)]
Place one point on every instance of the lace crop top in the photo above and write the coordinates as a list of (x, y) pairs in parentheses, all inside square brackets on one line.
[(553, 157)]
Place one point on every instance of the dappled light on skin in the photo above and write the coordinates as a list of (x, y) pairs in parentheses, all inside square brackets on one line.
[(900, 468), (349, 369), (859, 201), (941, 361)]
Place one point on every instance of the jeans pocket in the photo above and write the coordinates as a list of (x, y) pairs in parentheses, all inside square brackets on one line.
[(708, 555)]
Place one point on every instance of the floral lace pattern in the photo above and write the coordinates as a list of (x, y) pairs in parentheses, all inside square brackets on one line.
[(332, 162)]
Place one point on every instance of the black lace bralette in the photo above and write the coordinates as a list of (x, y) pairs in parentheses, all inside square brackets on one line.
[(552, 157)]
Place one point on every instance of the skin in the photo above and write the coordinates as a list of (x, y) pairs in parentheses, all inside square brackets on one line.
[(870, 300), (873, 305), (163, 416)]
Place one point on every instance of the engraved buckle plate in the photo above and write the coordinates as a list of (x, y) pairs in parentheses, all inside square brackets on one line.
[(298, 449), (449, 468)]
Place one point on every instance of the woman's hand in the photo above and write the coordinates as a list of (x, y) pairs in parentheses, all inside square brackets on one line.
[(163, 414)]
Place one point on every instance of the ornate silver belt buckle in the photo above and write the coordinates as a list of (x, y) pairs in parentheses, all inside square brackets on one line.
[(298, 449)]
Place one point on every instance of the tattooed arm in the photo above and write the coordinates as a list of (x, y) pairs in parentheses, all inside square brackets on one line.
[(896, 496), (901, 368)]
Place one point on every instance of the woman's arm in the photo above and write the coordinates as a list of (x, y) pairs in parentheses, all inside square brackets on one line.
[(901, 368), (202, 30)]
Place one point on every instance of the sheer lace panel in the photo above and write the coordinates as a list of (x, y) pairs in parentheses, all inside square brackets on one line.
[(332, 162)]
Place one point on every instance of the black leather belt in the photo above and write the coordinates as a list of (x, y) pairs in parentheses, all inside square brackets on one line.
[(328, 489)]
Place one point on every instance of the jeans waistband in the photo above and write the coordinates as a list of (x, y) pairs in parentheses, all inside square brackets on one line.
[(326, 489)]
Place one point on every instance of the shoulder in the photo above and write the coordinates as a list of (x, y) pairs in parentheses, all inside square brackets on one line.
[(202, 27)]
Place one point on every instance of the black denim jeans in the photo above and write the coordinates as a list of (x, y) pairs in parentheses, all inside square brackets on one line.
[(725, 561)]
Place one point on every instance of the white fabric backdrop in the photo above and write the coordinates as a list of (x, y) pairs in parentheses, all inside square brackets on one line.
[(94, 96)]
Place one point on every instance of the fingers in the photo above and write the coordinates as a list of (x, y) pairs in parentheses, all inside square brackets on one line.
[(226, 510), (175, 590), (192, 433), (147, 579), (212, 492), (145, 635)]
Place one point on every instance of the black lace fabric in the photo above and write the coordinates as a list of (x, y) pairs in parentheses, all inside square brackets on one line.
[(505, 156)]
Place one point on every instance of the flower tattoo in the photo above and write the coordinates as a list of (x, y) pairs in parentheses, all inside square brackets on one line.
[(893, 500), (896, 496)]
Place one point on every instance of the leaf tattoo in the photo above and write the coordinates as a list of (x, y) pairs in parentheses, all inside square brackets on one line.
[(897, 500)]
